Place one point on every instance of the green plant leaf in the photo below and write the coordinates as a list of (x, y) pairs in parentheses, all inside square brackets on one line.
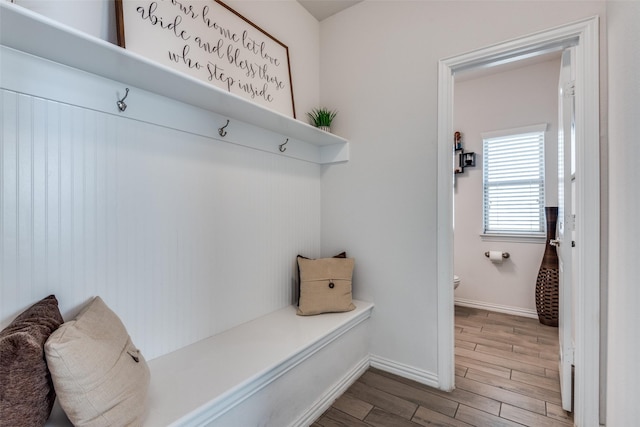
[(321, 116)]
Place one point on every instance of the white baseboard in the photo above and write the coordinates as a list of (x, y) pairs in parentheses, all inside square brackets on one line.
[(516, 311), (325, 401), (424, 377), (317, 409)]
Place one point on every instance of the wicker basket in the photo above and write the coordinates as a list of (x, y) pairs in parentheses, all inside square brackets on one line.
[(547, 293)]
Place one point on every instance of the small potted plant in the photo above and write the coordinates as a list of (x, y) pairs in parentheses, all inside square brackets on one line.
[(322, 118)]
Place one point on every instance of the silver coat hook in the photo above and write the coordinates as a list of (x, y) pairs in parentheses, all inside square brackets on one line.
[(222, 130), (121, 105), (282, 147)]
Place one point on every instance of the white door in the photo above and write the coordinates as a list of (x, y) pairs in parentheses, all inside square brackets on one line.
[(566, 221)]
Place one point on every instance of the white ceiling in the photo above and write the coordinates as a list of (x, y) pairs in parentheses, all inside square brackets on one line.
[(322, 9)]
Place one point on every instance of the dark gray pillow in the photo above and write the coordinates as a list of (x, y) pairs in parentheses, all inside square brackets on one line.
[(26, 390)]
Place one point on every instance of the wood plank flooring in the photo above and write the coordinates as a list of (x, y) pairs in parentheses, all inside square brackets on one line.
[(506, 375)]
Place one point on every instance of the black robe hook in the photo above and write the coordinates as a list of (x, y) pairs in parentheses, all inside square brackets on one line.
[(222, 130)]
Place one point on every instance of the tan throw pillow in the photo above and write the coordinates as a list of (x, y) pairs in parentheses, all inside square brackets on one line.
[(325, 285), (100, 377), (26, 391), (340, 255)]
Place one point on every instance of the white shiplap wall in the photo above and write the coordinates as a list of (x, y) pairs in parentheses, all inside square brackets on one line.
[(182, 235)]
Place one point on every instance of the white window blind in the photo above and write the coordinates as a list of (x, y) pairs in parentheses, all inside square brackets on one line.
[(513, 182)]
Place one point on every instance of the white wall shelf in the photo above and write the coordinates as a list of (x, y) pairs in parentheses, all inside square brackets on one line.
[(31, 33)]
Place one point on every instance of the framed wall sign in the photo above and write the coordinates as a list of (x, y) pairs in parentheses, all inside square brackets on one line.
[(212, 42)]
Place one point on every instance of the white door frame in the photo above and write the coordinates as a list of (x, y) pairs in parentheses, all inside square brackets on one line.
[(584, 36)]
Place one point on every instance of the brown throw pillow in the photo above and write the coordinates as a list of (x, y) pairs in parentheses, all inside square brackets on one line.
[(101, 378), (325, 285), (26, 391)]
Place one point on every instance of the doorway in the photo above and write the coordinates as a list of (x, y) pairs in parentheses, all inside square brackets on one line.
[(507, 118), (583, 35)]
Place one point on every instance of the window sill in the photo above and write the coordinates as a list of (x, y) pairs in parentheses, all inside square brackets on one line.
[(516, 238)]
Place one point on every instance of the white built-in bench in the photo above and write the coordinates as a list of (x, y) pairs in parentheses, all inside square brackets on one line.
[(206, 382), (199, 383)]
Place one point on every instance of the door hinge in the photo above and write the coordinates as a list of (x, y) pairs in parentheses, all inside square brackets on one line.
[(569, 356), (569, 89)]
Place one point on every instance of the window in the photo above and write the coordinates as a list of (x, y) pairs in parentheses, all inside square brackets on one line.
[(513, 182)]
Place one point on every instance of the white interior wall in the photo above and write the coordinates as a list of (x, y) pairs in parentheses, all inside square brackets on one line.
[(502, 100), (379, 69), (97, 17), (183, 236), (623, 377)]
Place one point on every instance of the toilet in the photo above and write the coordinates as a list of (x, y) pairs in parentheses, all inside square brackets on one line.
[(456, 282)]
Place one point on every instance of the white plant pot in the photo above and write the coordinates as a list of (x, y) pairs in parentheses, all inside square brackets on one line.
[(325, 128)]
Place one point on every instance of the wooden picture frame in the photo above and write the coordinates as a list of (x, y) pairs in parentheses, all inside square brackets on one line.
[(211, 42)]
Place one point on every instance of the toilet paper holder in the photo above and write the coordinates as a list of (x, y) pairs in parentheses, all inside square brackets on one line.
[(505, 255)]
